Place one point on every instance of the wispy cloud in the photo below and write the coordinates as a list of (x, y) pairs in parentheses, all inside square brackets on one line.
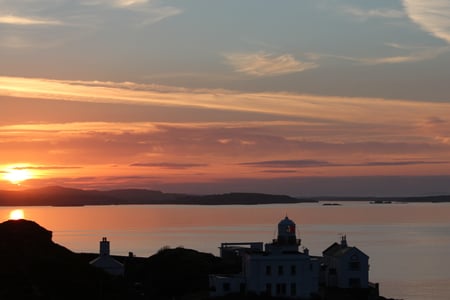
[(58, 22), (308, 107), (148, 12), (306, 163), (373, 13), (262, 64), (169, 165), (47, 168), (320, 163), (130, 2), (412, 54), (26, 21), (433, 16)]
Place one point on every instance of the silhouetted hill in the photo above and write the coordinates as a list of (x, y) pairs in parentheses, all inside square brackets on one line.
[(34, 267), (240, 198), (55, 196), (60, 196)]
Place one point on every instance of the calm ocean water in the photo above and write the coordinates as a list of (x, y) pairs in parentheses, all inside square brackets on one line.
[(408, 244)]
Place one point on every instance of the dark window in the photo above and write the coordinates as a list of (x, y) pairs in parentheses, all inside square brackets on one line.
[(332, 271), (354, 282), (269, 289), (281, 289), (242, 287), (280, 270), (293, 269), (293, 289), (354, 266), (226, 287), (268, 270)]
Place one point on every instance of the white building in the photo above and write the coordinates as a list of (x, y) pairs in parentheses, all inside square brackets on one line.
[(345, 267), (106, 262), (281, 270)]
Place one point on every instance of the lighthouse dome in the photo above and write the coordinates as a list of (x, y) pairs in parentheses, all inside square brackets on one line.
[(286, 228), (286, 222)]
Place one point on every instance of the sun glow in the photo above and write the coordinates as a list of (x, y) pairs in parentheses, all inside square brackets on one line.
[(16, 175), (16, 214)]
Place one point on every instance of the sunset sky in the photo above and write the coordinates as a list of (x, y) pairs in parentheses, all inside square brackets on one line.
[(298, 97)]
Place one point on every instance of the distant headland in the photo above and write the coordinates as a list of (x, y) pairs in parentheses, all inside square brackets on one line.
[(62, 196)]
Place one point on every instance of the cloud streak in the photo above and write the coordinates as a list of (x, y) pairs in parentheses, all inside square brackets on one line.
[(373, 13), (328, 109), (262, 64), (413, 54), (169, 165), (320, 163), (26, 21)]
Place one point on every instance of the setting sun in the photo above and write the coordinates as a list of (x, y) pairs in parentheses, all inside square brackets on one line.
[(17, 175), (16, 214)]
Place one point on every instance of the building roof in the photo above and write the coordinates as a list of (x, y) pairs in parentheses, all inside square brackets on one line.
[(109, 264), (338, 250)]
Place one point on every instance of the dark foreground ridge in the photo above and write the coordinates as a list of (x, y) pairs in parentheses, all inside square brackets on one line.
[(34, 267)]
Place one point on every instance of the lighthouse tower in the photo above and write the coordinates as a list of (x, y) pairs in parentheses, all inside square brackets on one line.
[(286, 240)]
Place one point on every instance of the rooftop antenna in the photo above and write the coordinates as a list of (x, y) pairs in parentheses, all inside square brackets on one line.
[(343, 240)]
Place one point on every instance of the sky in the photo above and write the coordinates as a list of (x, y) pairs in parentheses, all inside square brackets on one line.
[(298, 97)]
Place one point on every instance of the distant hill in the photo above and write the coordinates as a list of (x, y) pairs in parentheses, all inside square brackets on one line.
[(382, 200), (61, 196)]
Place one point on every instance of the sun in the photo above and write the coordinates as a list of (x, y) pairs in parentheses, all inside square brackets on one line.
[(16, 214), (17, 175)]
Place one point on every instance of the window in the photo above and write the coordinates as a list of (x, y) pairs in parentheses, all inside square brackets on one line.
[(293, 269), (268, 270), (280, 270), (354, 266), (293, 289), (281, 289), (268, 289)]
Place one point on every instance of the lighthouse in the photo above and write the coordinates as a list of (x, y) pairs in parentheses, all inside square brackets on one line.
[(286, 240)]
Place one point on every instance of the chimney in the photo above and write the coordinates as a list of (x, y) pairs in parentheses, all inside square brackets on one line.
[(344, 241), (104, 247)]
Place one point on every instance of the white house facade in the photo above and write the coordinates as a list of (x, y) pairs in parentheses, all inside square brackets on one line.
[(280, 270)]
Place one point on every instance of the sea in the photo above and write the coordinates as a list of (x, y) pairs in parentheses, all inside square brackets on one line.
[(408, 243)]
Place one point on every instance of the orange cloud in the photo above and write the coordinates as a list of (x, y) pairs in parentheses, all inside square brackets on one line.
[(301, 135)]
